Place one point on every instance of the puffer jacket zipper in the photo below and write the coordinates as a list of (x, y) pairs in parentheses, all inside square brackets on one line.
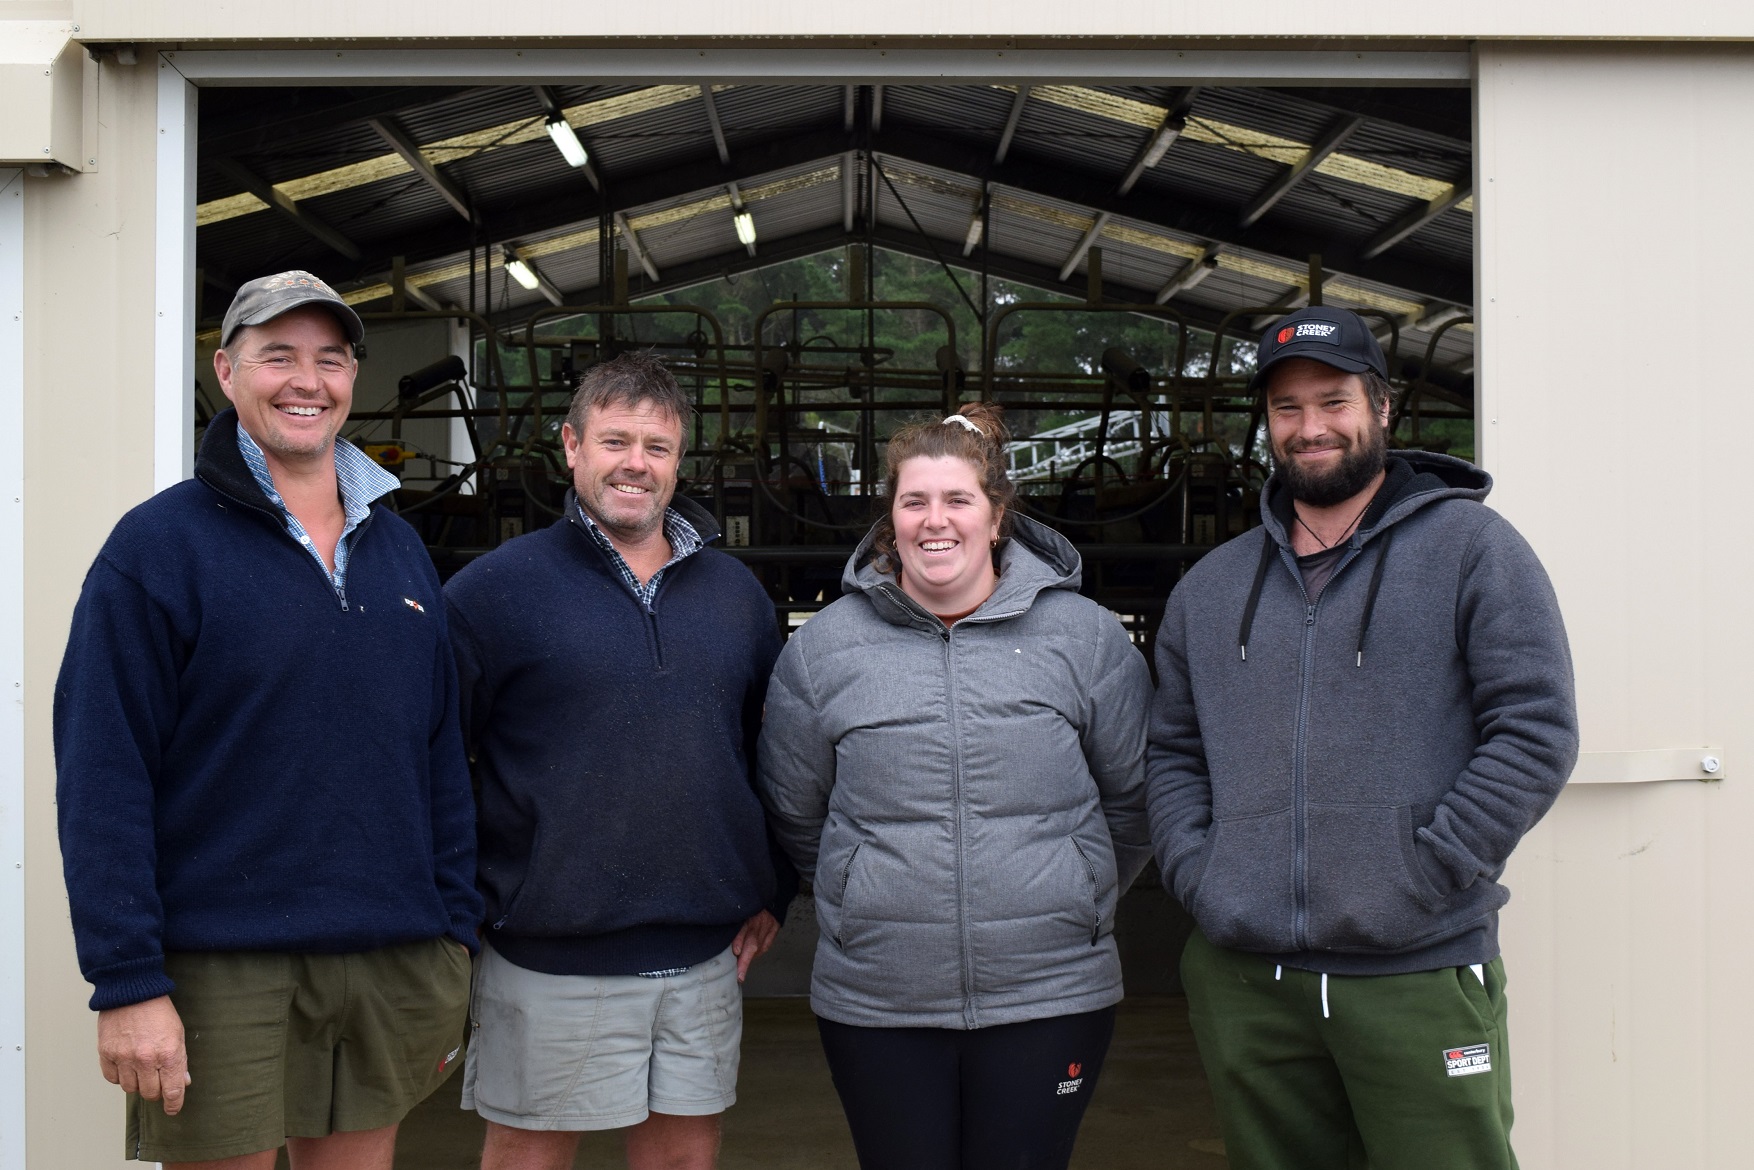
[(966, 949)]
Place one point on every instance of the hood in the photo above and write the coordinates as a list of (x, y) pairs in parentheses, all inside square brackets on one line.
[(1415, 479), (1032, 559)]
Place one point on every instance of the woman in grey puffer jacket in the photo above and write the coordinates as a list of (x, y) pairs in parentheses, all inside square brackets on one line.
[(953, 753)]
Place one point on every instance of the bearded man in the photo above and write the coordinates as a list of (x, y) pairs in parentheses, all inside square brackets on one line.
[(1363, 705)]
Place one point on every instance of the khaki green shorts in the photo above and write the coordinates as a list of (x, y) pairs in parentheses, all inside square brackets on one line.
[(285, 1045)]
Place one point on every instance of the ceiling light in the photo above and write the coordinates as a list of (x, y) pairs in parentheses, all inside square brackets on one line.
[(974, 235), (520, 272), (1160, 145), (745, 228), (571, 148)]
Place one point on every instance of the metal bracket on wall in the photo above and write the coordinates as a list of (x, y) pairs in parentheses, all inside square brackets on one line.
[(1648, 767)]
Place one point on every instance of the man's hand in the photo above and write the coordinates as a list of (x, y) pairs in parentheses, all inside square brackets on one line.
[(140, 1047), (753, 941)]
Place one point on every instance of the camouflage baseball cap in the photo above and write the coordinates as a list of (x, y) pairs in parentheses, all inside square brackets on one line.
[(267, 297)]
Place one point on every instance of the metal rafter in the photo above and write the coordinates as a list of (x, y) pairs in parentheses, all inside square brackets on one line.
[(1336, 136), (309, 220), (1082, 247), (1011, 120), (399, 141), (718, 128), (1195, 271), (1413, 221), (635, 247)]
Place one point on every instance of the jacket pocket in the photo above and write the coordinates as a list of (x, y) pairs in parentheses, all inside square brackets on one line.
[(845, 880), (1244, 898), (1367, 891), (1095, 891)]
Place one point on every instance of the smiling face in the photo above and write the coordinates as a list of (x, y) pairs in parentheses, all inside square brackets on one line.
[(1328, 443), (944, 532), (624, 465), (291, 380)]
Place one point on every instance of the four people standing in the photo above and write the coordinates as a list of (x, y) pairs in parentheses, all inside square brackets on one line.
[(270, 842)]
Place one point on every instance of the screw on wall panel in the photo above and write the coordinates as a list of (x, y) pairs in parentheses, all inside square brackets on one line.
[(1710, 765)]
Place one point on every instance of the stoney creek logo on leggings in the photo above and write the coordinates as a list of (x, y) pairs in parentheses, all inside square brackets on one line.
[(1072, 1081)]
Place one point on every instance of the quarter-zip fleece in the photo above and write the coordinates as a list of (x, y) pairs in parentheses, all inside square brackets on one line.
[(613, 750), (244, 762), (1338, 783), (969, 799)]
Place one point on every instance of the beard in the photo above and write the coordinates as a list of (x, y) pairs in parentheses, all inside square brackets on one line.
[(1360, 462)]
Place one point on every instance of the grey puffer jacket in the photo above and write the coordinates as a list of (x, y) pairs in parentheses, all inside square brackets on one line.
[(968, 801), (1337, 784)]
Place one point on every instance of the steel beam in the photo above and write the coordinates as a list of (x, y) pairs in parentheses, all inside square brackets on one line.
[(308, 220), (1084, 244), (1196, 271), (1337, 134), (1413, 221), (635, 246), (402, 144), (1011, 121), (712, 117)]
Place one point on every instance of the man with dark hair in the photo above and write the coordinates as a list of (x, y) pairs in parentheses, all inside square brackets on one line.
[(612, 670), (266, 822), (1363, 705)]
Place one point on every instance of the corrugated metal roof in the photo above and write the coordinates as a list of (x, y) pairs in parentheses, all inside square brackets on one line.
[(1237, 142)]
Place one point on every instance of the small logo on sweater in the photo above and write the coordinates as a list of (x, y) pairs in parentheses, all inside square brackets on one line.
[(449, 1056), (413, 605), (1073, 1080), (1466, 1061)]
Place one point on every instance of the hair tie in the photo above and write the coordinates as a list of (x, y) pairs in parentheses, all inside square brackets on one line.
[(964, 420)]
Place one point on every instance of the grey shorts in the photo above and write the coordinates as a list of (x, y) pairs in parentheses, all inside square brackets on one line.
[(578, 1052)]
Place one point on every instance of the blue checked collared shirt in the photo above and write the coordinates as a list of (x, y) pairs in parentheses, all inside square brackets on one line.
[(684, 542), (362, 483)]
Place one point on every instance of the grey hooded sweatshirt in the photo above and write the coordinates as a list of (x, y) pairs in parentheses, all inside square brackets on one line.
[(968, 801), (1338, 783)]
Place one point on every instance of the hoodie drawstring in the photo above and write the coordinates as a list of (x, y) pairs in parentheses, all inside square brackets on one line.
[(1382, 557), (1268, 549), (1325, 1013)]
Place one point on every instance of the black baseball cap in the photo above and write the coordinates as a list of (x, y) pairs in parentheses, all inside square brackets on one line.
[(267, 297), (1335, 337)]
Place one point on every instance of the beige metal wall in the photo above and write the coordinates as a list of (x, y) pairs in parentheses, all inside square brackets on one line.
[(1615, 296), (911, 19), (1610, 181), (88, 458)]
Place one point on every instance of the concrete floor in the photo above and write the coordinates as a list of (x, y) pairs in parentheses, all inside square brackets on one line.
[(1152, 1108)]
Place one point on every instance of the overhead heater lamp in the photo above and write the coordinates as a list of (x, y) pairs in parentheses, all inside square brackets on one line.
[(520, 272), (570, 147), (745, 224)]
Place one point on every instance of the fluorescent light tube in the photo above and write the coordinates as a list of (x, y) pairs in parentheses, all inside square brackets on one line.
[(745, 224), (1160, 145), (974, 235), (520, 272), (571, 148)]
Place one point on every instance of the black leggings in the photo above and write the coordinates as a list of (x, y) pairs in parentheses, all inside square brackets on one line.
[(1003, 1098)]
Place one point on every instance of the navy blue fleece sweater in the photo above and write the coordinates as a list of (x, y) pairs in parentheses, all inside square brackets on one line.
[(246, 762), (613, 746)]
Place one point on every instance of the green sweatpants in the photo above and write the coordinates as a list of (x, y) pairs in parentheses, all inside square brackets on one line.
[(1390, 1072)]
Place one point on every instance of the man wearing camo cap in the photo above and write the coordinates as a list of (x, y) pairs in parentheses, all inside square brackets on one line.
[(266, 822)]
